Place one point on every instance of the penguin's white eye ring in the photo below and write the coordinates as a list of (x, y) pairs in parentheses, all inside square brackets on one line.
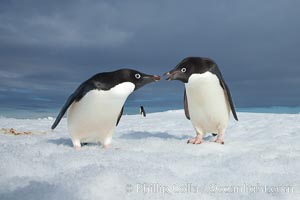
[(183, 69), (137, 76)]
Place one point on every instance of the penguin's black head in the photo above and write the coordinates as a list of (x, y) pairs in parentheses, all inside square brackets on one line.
[(139, 79), (189, 66)]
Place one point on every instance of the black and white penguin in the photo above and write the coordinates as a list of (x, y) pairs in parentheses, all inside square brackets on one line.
[(207, 99), (96, 106)]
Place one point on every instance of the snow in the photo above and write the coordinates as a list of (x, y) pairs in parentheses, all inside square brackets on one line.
[(149, 159)]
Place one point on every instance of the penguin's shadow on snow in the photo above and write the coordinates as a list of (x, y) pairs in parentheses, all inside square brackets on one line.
[(161, 135), (144, 135), (61, 141), (130, 136), (68, 142)]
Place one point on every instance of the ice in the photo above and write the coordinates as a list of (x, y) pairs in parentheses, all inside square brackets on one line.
[(149, 159)]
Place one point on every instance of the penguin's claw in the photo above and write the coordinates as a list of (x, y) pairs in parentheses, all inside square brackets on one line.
[(220, 141), (196, 140)]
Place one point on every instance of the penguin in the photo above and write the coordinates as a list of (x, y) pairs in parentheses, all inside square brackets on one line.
[(207, 99), (96, 106), (142, 111)]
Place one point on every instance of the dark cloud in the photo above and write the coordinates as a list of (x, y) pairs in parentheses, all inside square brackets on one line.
[(47, 48)]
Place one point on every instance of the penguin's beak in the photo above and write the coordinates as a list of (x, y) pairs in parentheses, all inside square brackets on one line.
[(156, 78), (171, 75), (151, 78)]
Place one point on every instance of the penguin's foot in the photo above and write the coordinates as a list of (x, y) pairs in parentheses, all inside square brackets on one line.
[(220, 141), (76, 147), (76, 144), (106, 143), (196, 140)]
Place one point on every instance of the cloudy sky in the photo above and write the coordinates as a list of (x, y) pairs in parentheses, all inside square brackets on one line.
[(47, 48)]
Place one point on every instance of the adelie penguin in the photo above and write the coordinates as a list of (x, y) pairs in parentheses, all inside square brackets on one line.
[(207, 99), (96, 106)]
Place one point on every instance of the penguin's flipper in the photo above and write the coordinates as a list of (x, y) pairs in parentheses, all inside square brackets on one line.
[(63, 110), (120, 115), (229, 99), (76, 96), (217, 72), (186, 107)]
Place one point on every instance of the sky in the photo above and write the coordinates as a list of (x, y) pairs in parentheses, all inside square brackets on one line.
[(47, 48)]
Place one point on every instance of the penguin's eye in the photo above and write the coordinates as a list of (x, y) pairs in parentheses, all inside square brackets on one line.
[(137, 76), (183, 69)]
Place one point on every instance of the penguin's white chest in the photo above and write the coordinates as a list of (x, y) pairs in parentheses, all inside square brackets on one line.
[(208, 107), (94, 117)]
